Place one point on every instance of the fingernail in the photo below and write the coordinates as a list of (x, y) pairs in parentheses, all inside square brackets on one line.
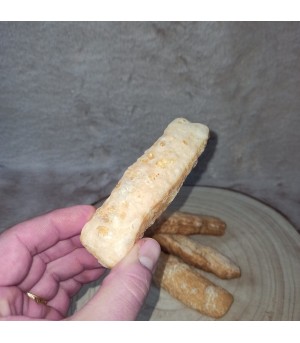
[(149, 253)]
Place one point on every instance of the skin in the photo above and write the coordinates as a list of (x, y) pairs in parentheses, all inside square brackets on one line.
[(44, 256)]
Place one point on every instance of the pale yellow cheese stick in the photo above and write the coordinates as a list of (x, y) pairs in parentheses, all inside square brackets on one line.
[(144, 192), (185, 284)]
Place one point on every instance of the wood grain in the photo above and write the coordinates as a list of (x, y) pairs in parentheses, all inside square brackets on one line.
[(261, 241)]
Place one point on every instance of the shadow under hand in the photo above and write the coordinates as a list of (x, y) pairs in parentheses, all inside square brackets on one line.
[(149, 304), (85, 293)]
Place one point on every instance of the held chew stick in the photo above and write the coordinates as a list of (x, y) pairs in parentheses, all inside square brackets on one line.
[(144, 192)]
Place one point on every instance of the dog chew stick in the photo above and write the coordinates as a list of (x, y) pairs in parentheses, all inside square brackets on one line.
[(192, 289), (198, 255), (189, 224), (144, 192)]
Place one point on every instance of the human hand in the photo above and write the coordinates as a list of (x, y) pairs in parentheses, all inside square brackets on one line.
[(44, 256)]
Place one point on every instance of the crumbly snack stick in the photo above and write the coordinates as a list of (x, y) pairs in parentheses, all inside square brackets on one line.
[(144, 192), (188, 286), (184, 223), (198, 255)]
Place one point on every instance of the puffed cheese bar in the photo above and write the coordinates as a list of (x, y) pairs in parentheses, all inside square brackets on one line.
[(144, 192), (199, 255), (185, 284)]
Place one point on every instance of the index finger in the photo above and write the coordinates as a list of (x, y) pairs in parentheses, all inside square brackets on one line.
[(40, 233)]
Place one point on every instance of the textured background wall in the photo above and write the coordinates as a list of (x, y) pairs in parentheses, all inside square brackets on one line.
[(80, 101)]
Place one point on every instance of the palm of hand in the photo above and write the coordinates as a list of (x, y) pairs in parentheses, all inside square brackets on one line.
[(44, 256)]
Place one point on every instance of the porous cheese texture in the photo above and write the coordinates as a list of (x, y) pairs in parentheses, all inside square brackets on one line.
[(145, 190)]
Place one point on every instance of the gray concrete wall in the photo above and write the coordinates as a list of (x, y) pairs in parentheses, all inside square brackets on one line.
[(79, 102)]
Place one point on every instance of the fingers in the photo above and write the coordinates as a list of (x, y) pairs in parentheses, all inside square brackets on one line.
[(20, 243), (65, 268), (39, 263), (16, 305), (60, 249), (61, 280), (123, 291), (69, 288), (42, 232)]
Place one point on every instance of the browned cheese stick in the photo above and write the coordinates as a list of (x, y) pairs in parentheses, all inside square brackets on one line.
[(188, 286), (189, 224), (198, 255)]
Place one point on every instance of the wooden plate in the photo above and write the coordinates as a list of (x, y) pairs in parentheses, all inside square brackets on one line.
[(263, 243)]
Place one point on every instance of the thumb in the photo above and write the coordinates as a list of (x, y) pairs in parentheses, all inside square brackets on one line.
[(123, 291)]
